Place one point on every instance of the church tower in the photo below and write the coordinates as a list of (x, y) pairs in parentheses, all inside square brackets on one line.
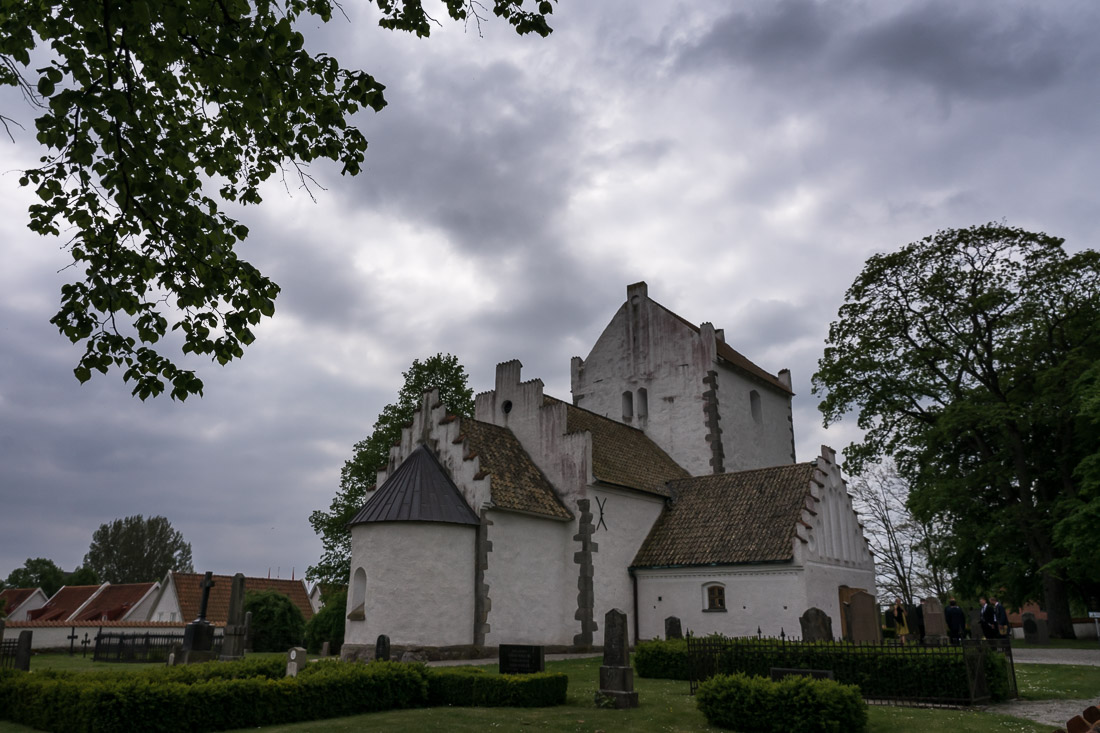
[(704, 403)]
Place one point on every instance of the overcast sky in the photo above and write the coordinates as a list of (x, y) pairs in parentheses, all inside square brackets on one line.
[(743, 158)]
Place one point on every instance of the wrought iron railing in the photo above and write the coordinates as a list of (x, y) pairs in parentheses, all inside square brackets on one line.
[(7, 653), (110, 647)]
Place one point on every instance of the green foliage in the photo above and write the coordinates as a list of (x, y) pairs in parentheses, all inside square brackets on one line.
[(757, 704), (965, 356), (39, 572), (153, 117), (328, 624), (277, 624), (442, 372), (472, 686), (137, 550), (887, 672), (659, 659)]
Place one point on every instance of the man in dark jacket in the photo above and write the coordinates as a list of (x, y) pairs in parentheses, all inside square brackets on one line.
[(956, 621), (1001, 616), (988, 619)]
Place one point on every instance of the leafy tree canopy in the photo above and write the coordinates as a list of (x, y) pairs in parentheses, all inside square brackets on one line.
[(137, 550), (442, 372), (963, 355), (277, 624), (153, 116), (39, 572)]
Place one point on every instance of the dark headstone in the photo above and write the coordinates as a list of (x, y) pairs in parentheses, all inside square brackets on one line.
[(326, 649), (295, 660), (863, 619), (673, 629), (235, 631), (1036, 630), (23, 650), (616, 651), (382, 648), (816, 625), (198, 636), (935, 625), (616, 675), (522, 659)]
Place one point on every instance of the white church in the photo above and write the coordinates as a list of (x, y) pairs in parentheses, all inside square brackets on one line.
[(668, 487)]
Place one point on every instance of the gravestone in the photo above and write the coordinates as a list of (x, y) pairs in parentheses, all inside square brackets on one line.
[(326, 649), (23, 650), (673, 628), (198, 636), (975, 616), (935, 625), (295, 660), (1036, 630), (863, 619), (888, 618), (382, 648), (235, 630), (816, 625), (616, 675), (521, 659)]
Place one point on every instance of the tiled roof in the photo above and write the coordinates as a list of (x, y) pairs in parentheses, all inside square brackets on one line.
[(114, 601), (729, 518), (418, 491), (516, 482), (10, 598), (735, 357), (64, 603), (217, 610), (622, 455)]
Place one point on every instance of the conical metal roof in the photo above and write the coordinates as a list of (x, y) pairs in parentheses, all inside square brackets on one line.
[(418, 491)]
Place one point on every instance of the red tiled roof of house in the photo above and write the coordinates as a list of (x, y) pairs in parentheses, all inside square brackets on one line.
[(190, 594), (64, 603), (11, 598), (114, 602)]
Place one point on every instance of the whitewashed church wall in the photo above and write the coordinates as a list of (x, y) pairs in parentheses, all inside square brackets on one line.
[(622, 521), (823, 581), (532, 591), (420, 583), (770, 598), (758, 438)]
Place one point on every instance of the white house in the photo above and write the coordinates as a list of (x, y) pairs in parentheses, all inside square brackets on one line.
[(17, 603), (668, 488)]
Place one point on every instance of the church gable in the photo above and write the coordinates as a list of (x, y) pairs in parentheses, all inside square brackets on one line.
[(730, 518)]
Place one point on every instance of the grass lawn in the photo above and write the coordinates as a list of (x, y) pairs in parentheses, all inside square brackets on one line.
[(665, 706)]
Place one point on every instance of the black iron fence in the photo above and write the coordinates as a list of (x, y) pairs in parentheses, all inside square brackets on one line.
[(8, 653), (110, 647), (972, 673)]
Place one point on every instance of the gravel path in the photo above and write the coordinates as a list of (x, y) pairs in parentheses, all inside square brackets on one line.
[(1089, 657), (1049, 712)]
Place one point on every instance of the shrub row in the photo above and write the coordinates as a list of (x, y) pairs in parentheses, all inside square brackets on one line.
[(760, 705), (223, 696), (900, 672)]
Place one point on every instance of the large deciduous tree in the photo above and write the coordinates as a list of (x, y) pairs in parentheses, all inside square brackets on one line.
[(137, 550), (963, 355), (357, 477), (153, 116), (38, 572)]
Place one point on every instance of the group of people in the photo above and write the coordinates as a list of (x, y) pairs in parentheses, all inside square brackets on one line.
[(993, 620)]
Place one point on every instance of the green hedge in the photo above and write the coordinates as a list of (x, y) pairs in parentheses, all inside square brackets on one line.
[(894, 673), (474, 687), (226, 695), (759, 705)]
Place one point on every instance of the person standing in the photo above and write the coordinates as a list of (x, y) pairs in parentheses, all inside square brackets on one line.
[(956, 621), (901, 620), (988, 619), (1001, 617)]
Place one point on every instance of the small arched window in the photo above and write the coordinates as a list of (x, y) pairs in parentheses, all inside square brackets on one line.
[(714, 596), (754, 405), (357, 601), (628, 405), (643, 402)]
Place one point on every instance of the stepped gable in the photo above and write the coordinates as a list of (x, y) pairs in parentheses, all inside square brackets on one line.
[(189, 594), (419, 490), (64, 603), (515, 481), (114, 601), (735, 357), (622, 455), (729, 518)]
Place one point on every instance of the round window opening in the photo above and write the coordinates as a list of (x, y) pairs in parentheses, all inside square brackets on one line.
[(507, 406)]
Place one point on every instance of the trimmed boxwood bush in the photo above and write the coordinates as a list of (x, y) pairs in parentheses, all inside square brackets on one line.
[(760, 705), (894, 673), (474, 687), (226, 695)]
